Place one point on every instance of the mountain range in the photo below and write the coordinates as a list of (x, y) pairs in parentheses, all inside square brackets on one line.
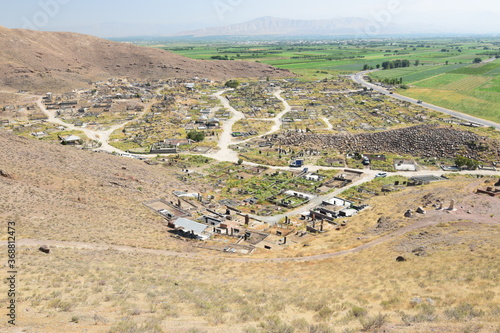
[(280, 26)]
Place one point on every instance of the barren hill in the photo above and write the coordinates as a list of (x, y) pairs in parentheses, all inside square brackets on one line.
[(55, 191), (54, 60)]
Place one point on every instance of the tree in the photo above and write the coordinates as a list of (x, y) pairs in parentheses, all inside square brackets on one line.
[(232, 84), (477, 60), (417, 62), (196, 136), (470, 163)]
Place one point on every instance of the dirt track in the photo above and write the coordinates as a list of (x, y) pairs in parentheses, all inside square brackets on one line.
[(419, 224)]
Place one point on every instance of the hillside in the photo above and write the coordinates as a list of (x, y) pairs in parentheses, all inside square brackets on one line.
[(279, 26), (80, 195), (111, 268), (31, 60)]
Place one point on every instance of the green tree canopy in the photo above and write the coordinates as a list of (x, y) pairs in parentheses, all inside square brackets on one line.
[(196, 136), (232, 84)]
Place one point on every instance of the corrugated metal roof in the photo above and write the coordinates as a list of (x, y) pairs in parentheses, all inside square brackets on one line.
[(189, 225)]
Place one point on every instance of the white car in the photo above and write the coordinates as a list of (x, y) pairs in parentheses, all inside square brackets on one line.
[(381, 175)]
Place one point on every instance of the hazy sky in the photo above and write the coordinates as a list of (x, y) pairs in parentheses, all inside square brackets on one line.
[(108, 18)]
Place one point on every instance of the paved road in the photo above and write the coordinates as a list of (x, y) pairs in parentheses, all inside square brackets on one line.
[(358, 77)]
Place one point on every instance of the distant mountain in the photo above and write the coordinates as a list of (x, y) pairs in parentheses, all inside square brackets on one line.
[(59, 60), (123, 29), (279, 26)]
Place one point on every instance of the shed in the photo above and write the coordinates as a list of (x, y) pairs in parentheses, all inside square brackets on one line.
[(405, 165), (71, 140), (191, 227)]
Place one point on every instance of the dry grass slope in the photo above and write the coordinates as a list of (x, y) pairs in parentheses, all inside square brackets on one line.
[(32, 60), (60, 193)]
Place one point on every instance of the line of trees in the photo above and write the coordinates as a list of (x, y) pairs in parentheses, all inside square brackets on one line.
[(393, 81), (395, 64)]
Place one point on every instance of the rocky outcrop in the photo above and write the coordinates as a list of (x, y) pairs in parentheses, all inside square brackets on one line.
[(422, 140)]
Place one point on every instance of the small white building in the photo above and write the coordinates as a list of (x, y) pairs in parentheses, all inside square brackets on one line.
[(300, 195), (405, 165), (313, 177), (348, 212), (189, 227), (71, 140), (337, 202)]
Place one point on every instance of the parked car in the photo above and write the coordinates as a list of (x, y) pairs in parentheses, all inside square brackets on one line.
[(381, 175)]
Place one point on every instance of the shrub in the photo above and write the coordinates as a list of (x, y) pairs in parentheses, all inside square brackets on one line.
[(232, 84), (126, 326), (324, 313), (320, 328), (358, 312), (273, 324), (372, 323), (463, 312)]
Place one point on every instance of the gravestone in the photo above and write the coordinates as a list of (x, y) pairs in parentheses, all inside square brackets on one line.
[(452, 206), (420, 210)]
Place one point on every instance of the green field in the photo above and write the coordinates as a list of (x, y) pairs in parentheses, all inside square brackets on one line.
[(315, 59), (440, 71), (464, 90), (416, 73)]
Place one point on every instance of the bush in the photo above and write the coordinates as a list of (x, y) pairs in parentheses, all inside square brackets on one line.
[(358, 312), (273, 324), (463, 312), (127, 326), (372, 323), (232, 84), (461, 161), (324, 313), (320, 328)]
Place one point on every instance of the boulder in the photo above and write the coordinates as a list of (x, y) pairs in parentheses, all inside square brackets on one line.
[(44, 249), (420, 210), (5, 175)]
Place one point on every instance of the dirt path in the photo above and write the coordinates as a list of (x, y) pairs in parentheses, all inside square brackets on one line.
[(225, 153), (421, 224), (101, 136), (329, 125), (226, 139)]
